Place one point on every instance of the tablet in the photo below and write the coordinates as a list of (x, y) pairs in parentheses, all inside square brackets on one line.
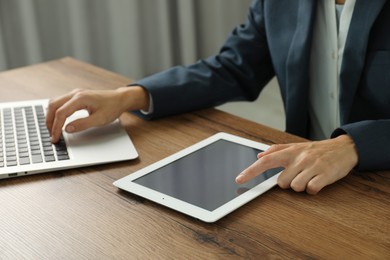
[(200, 180)]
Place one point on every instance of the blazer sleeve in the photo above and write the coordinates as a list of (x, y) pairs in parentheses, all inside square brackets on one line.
[(240, 70), (372, 140)]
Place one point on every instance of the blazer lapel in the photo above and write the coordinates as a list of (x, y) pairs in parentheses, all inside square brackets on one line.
[(364, 15), (297, 63)]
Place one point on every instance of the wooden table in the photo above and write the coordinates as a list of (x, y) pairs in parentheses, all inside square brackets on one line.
[(79, 214)]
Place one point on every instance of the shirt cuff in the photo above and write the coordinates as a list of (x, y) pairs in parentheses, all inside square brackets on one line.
[(151, 107)]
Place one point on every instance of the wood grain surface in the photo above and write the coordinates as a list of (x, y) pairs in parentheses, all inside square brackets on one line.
[(79, 214)]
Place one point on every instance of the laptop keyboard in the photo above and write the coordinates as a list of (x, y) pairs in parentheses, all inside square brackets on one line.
[(24, 138)]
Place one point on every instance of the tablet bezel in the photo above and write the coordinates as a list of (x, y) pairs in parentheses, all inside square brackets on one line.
[(128, 185)]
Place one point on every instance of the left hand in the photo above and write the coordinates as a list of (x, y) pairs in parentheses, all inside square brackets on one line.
[(308, 166)]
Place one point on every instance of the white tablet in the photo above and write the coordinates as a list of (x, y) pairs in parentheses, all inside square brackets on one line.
[(200, 180)]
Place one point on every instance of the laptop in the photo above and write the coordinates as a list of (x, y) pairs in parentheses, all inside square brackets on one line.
[(25, 146)]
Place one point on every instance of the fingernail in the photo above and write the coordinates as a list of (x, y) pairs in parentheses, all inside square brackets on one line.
[(239, 178), (70, 129)]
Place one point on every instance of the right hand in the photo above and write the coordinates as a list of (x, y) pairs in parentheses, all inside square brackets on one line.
[(103, 106)]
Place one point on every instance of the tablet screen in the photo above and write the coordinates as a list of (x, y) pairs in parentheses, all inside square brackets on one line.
[(206, 177)]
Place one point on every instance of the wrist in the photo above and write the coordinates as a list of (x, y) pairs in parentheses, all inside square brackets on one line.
[(347, 143), (134, 98)]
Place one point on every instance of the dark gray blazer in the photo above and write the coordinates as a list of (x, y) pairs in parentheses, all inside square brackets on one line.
[(276, 40)]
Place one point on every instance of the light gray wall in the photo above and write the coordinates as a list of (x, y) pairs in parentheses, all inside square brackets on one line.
[(132, 37)]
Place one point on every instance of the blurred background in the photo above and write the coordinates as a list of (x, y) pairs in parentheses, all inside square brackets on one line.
[(134, 38)]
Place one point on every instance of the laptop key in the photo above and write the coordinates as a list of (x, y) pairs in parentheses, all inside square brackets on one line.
[(23, 150), (62, 153), (36, 158), (11, 158), (50, 158), (13, 153), (48, 153), (24, 160), (63, 157), (35, 147), (34, 152), (11, 163), (23, 154)]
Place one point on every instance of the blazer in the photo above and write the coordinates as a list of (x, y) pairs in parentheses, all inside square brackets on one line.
[(275, 40)]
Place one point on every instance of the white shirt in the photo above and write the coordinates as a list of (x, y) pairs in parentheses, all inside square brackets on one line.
[(327, 50)]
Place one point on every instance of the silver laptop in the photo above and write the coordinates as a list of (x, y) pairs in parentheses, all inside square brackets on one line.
[(25, 146)]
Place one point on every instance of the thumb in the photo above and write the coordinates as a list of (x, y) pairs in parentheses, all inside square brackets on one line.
[(82, 124)]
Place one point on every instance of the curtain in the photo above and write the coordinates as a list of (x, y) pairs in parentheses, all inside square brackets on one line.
[(132, 37)]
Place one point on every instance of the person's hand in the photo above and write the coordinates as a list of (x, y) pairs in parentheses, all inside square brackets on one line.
[(307, 166), (103, 106)]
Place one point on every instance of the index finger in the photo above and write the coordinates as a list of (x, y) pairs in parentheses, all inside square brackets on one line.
[(61, 114), (266, 162), (53, 106)]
